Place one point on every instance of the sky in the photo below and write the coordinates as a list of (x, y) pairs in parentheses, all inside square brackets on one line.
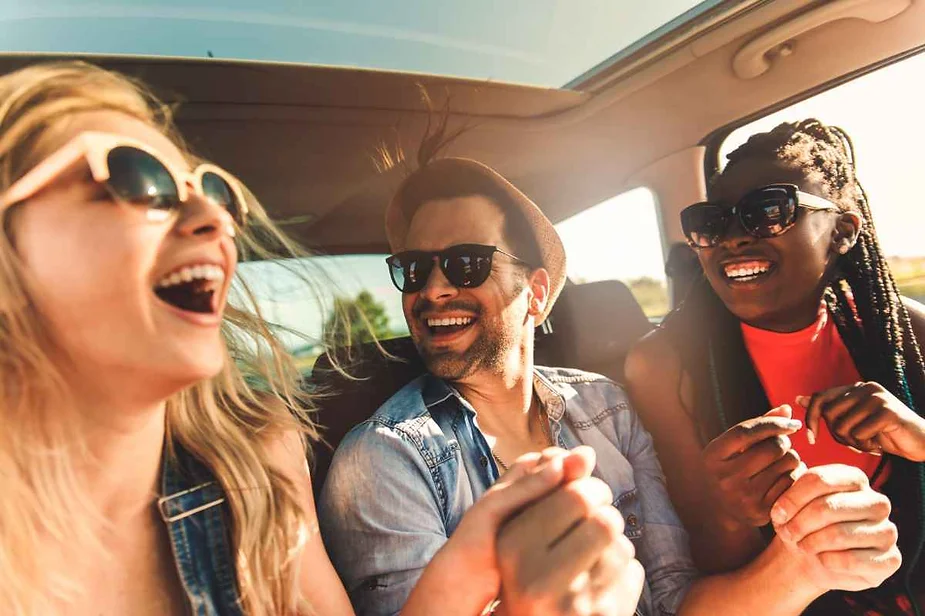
[(540, 42)]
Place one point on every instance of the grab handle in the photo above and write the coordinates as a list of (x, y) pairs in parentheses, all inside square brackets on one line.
[(754, 59)]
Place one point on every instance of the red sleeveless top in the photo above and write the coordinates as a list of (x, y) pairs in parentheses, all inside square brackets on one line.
[(802, 363)]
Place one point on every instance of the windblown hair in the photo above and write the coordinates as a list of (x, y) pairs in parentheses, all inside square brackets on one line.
[(223, 422), (861, 295), (424, 182)]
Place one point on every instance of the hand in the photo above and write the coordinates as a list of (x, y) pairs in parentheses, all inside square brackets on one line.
[(839, 527), (471, 551), (752, 464), (567, 554), (869, 418)]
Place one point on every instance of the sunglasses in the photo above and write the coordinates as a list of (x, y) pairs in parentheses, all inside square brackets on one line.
[(464, 265), (134, 173), (766, 212)]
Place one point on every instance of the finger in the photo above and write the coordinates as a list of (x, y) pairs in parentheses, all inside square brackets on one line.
[(762, 456), (580, 463), (584, 545), (816, 482), (872, 566), (814, 406), (778, 473), (785, 411), (523, 465), (525, 486), (741, 436), (850, 535), (548, 519), (841, 427), (861, 506), (874, 424)]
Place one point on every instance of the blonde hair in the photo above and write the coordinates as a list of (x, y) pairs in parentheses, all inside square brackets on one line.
[(224, 422)]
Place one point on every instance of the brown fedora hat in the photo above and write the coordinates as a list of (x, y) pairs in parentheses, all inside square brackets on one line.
[(473, 177)]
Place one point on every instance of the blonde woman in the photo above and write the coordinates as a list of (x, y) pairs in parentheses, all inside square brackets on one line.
[(139, 474)]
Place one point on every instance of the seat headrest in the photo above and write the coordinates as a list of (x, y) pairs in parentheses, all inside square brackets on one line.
[(345, 401), (597, 322)]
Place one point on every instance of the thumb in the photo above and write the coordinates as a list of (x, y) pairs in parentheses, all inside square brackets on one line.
[(784, 410)]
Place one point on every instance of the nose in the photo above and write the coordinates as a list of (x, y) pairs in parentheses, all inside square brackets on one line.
[(736, 236), (438, 287), (203, 217)]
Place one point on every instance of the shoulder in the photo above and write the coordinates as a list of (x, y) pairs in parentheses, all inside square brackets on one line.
[(589, 397), (401, 437), (655, 354), (569, 382)]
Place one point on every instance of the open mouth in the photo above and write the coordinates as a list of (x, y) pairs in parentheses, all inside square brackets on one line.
[(192, 288), (748, 271), (448, 325)]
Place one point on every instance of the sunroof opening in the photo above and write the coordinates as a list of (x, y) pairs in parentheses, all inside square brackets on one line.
[(548, 43)]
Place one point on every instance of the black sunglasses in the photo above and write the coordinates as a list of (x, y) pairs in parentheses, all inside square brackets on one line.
[(464, 265), (766, 212)]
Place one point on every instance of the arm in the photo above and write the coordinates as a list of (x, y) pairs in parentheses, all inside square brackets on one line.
[(381, 517), (318, 582), (833, 533), (662, 397), (663, 548)]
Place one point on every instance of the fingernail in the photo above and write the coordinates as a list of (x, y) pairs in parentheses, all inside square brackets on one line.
[(803, 401), (794, 424), (778, 514), (783, 533), (810, 436)]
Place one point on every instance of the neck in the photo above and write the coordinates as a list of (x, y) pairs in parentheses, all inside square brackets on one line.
[(503, 397), (124, 431)]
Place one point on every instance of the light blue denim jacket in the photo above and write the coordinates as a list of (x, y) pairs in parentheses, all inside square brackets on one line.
[(401, 481)]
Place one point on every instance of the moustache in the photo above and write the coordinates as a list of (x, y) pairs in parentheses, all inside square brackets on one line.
[(422, 305)]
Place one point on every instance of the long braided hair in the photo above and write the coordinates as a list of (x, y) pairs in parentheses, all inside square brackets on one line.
[(861, 296)]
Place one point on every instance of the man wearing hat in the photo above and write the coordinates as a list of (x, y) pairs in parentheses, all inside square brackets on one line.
[(479, 267)]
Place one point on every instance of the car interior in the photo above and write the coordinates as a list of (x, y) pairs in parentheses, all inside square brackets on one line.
[(303, 138)]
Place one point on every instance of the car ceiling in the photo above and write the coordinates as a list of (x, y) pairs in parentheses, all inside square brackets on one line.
[(304, 138)]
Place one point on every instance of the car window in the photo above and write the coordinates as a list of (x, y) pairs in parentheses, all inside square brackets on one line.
[(300, 296), (881, 112), (619, 239)]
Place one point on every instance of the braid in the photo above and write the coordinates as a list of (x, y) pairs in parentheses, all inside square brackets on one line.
[(861, 296)]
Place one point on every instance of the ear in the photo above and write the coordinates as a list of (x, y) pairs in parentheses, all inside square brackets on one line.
[(847, 230), (539, 292)]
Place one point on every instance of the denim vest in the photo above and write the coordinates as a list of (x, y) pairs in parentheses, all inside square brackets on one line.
[(198, 522)]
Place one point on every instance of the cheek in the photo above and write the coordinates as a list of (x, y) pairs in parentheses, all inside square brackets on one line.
[(87, 284)]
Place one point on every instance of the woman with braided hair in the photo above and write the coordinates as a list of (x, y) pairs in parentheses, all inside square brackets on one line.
[(794, 350)]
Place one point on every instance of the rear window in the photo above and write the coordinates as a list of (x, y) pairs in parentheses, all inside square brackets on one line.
[(619, 239), (299, 296)]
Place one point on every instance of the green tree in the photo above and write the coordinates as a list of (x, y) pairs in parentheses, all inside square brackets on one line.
[(356, 320)]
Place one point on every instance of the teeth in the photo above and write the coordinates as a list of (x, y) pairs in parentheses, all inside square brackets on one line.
[(446, 322), (750, 271), (191, 273)]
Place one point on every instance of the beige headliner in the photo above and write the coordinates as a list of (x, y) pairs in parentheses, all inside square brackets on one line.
[(304, 137)]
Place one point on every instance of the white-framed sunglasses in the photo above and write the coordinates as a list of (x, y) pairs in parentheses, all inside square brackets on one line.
[(135, 173)]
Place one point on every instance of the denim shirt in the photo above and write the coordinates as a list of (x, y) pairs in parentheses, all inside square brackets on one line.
[(401, 481), (198, 523)]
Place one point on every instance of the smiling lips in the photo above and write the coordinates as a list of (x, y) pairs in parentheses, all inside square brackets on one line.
[(447, 326), (192, 287), (747, 271)]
